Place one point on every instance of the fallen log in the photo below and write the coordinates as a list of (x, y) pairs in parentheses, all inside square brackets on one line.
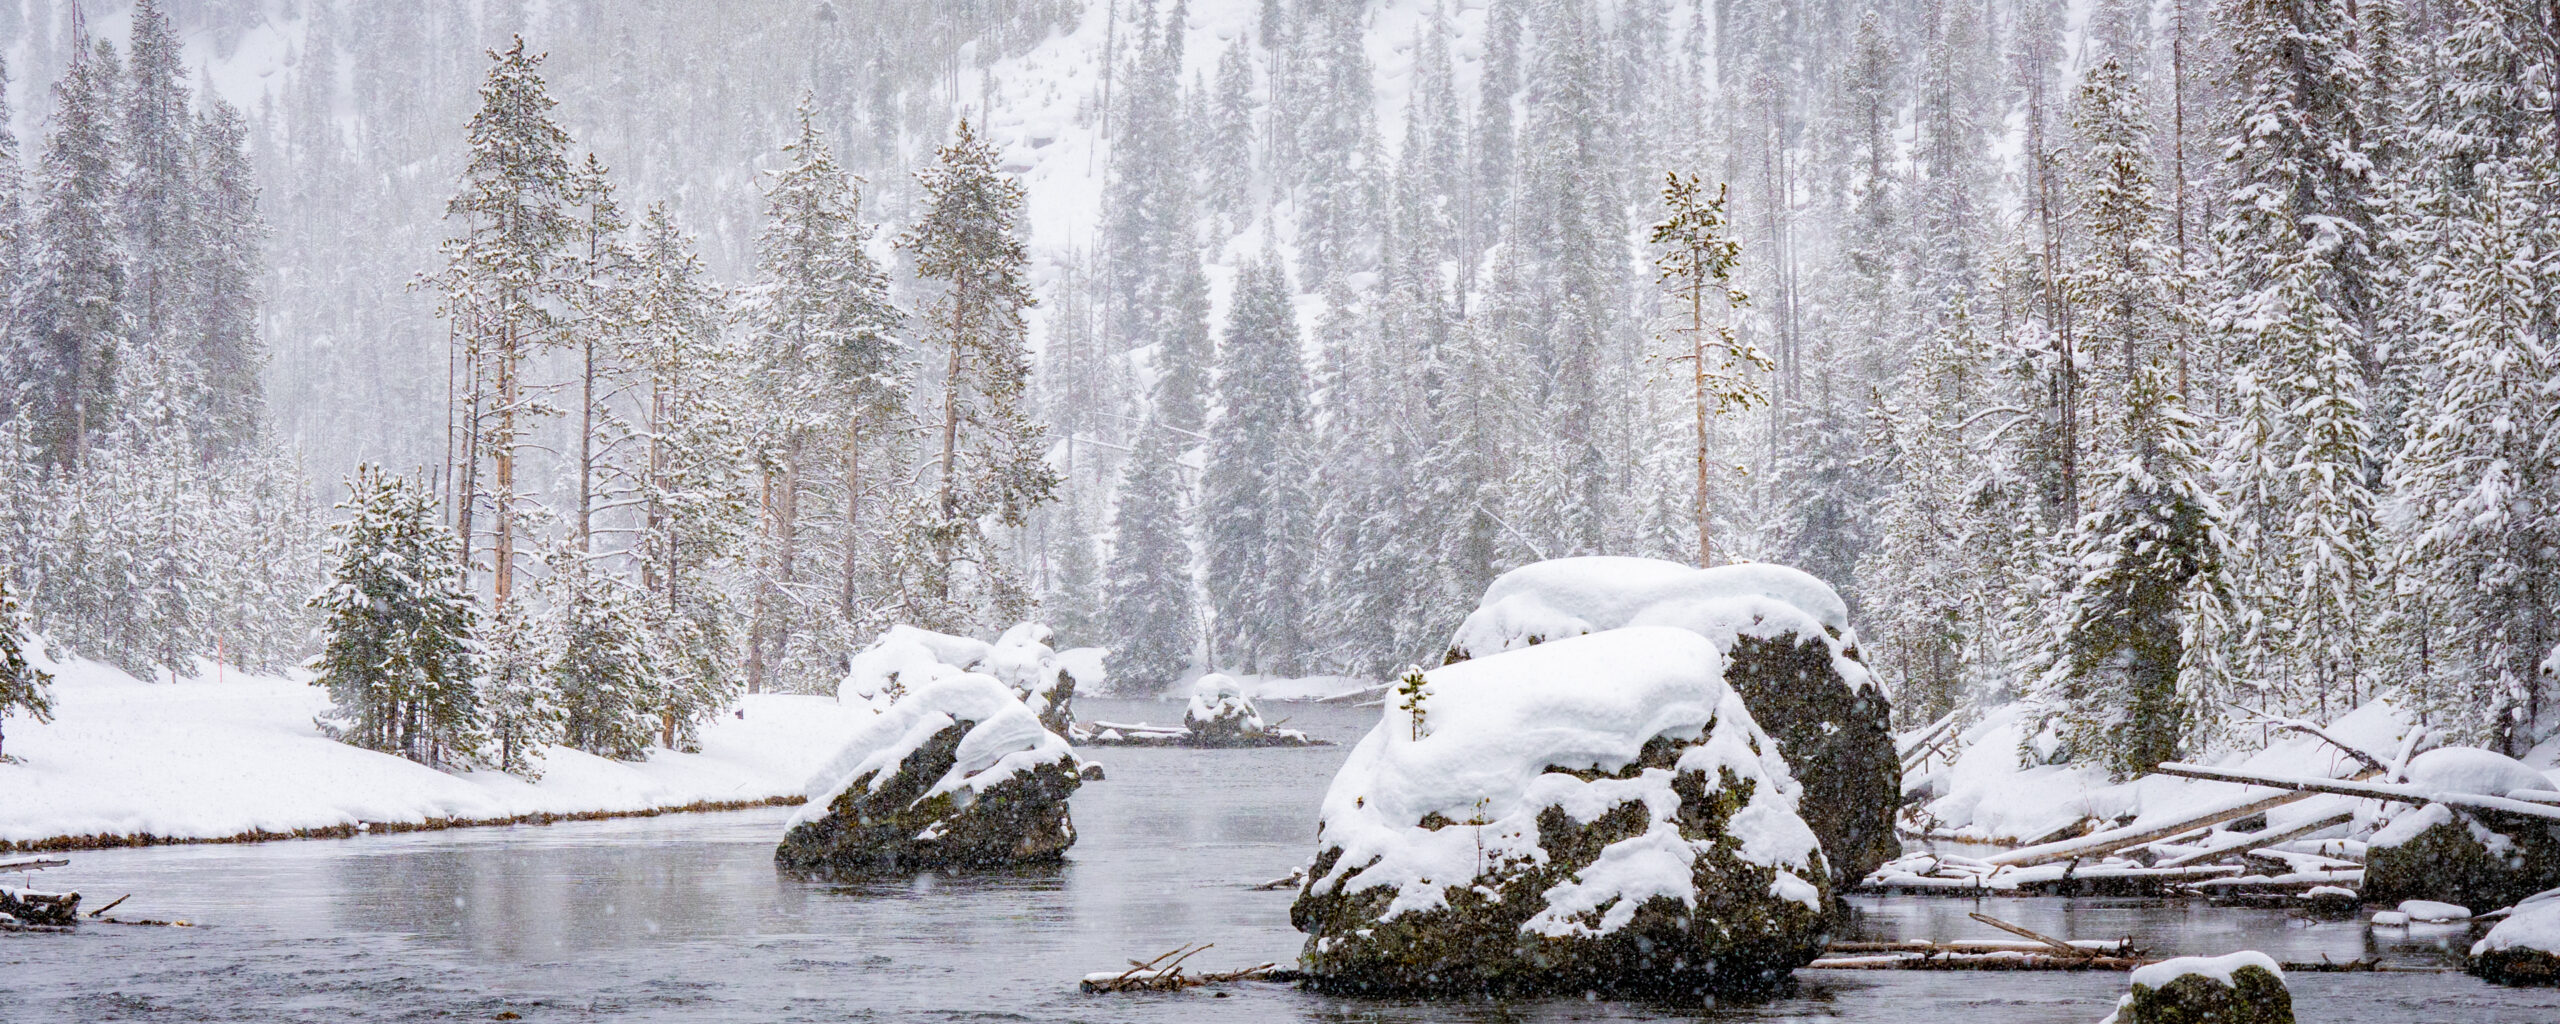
[(2255, 840), (31, 863), (1978, 962), (2399, 792), (2113, 840), (1165, 974), (2057, 944), (2120, 947)]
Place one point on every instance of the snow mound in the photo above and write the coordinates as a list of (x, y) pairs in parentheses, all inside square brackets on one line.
[(957, 771), (906, 658), (2217, 969), (1565, 597), (1594, 812), (2432, 912), (2473, 770)]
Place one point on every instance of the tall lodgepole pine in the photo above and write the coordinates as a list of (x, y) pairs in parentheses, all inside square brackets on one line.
[(991, 461), (1698, 261)]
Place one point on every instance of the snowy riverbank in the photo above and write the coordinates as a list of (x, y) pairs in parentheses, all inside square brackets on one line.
[(239, 758)]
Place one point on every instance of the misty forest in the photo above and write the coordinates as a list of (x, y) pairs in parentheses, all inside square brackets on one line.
[(1745, 470)]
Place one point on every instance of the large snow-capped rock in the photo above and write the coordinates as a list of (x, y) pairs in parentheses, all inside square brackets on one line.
[(2241, 988), (2524, 949), (957, 772), (1789, 651), (2480, 859), (1598, 813), (1220, 710), (905, 658)]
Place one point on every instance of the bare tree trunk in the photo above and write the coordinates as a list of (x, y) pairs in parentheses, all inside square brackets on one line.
[(943, 536), (587, 447), (852, 517), (1698, 387), (502, 558)]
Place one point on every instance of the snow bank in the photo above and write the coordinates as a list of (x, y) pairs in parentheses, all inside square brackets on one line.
[(2524, 949), (906, 659), (1588, 797), (209, 758), (2473, 770), (956, 771)]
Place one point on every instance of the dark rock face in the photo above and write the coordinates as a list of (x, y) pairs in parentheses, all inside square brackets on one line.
[(2478, 859), (2254, 996), (1020, 819), (2517, 965), (1836, 737), (1741, 939)]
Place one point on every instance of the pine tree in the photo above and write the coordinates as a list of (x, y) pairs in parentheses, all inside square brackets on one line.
[(76, 319), (1148, 607), (518, 700), (991, 463), (1699, 258), (501, 284), (397, 656), (1255, 521), (158, 183), (25, 690), (229, 350), (598, 661)]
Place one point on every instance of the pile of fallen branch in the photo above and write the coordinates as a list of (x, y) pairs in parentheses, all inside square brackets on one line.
[(1165, 974), (30, 910)]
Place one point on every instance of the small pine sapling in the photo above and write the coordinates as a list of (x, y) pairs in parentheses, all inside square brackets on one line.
[(1410, 691)]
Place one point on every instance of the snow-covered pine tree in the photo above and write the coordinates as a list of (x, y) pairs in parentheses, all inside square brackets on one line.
[(229, 351), (397, 655), (502, 287), (25, 690), (1254, 520), (517, 699), (74, 313), (2294, 308), (694, 475), (599, 663), (1697, 264), (831, 392), (991, 463), (1227, 140), (157, 202), (1149, 610)]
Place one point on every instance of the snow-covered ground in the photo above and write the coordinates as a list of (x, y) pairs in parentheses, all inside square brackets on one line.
[(211, 758)]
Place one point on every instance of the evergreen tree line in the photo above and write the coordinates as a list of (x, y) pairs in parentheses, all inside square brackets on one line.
[(660, 490), (2169, 373), (148, 516)]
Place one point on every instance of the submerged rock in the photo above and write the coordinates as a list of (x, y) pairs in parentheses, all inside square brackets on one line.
[(2242, 988), (2480, 859), (46, 909), (957, 773), (1599, 813), (2524, 949), (1790, 653)]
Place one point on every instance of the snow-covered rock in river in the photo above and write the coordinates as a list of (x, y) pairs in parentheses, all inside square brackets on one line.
[(1790, 652), (1598, 813), (2524, 949), (2241, 988), (905, 658), (1221, 714), (2476, 858), (1220, 710), (957, 772)]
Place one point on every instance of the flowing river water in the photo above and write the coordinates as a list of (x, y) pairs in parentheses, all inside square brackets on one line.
[(683, 918)]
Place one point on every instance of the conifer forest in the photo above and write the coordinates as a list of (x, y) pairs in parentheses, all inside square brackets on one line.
[(533, 389)]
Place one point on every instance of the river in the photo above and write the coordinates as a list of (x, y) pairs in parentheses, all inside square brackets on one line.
[(683, 918)]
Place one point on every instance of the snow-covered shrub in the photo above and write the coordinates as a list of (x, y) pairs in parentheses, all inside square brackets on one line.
[(2524, 949), (1790, 652), (905, 658), (2481, 859), (1219, 709), (1596, 813), (2241, 988), (955, 772)]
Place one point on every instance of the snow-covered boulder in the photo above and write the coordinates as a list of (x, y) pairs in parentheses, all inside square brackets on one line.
[(1790, 652), (1220, 710), (957, 772), (1599, 813), (2524, 949), (2242, 988), (2480, 859), (905, 658)]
